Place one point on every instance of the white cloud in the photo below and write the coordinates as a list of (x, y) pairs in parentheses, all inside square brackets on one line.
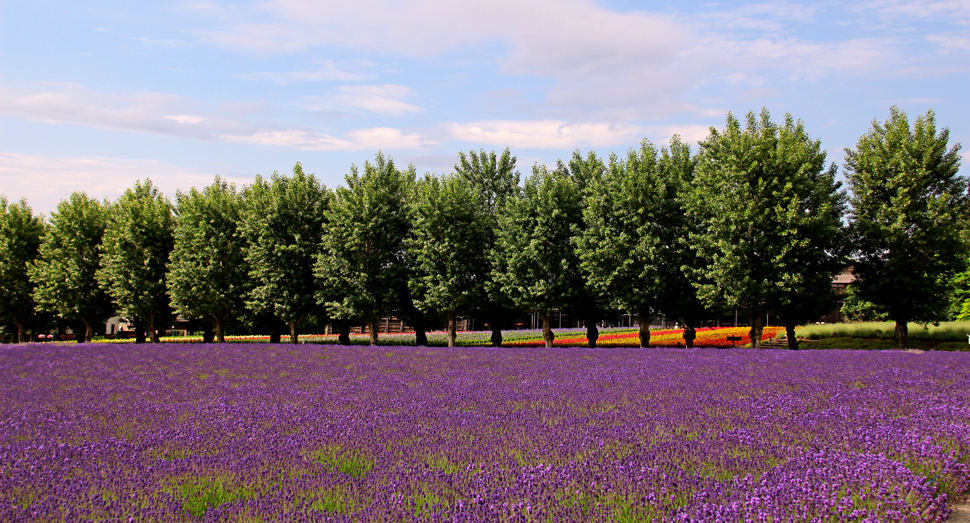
[(383, 99), (169, 115), (543, 134), (326, 71), (99, 177), (950, 42), (919, 8)]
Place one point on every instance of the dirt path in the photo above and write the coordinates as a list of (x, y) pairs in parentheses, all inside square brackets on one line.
[(961, 512)]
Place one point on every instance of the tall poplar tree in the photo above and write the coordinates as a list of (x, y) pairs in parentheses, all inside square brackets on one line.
[(908, 208), (65, 272), (588, 305), (362, 269), (135, 252), (497, 181), (448, 242), (208, 273), (534, 265), (628, 248), (21, 234), (283, 221), (769, 215)]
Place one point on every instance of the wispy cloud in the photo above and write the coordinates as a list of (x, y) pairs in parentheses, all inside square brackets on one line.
[(169, 115), (543, 134), (99, 177), (327, 70)]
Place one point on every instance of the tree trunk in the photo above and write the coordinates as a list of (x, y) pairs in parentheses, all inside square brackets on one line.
[(902, 334), (790, 334), (140, 329), (294, 338), (372, 330), (452, 329), (343, 331), (21, 332), (757, 327), (547, 333), (496, 335), (220, 332), (150, 328), (592, 333), (274, 333), (645, 320), (690, 334), (420, 329)]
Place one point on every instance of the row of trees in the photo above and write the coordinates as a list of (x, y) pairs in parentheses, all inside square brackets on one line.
[(755, 219)]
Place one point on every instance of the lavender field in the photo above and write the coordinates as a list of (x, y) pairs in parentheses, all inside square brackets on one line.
[(323, 433)]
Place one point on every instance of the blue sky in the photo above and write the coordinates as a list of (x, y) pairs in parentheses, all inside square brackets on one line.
[(96, 95)]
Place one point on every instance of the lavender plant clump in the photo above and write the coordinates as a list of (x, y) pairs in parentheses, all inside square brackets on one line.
[(324, 433)]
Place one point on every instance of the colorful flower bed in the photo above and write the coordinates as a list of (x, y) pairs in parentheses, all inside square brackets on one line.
[(240, 432), (571, 337)]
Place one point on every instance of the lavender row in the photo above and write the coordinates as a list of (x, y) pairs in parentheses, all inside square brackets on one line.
[(311, 433)]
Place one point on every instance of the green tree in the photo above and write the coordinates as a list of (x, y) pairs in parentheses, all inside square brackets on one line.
[(629, 248), (497, 181), (769, 214), (587, 304), (534, 265), (449, 245), (21, 234), (362, 270), (134, 259), (283, 224), (65, 273), (208, 273), (854, 308), (908, 205)]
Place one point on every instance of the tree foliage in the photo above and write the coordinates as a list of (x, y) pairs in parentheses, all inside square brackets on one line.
[(208, 273), (283, 222), (534, 265), (769, 214), (135, 252), (65, 272), (448, 242), (497, 181), (362, 271), (21, 234), (908, 205), (630, 248)]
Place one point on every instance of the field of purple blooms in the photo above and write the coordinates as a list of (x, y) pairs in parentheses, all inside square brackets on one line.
[(325, 433)]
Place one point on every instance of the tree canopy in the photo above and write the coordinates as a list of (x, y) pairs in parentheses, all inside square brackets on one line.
[(449, 245), (283, 223), (135, 252), (65, 272), (534, 265), (21, 234), (361, 269), (208, 272), (908, 210), (769, 212)]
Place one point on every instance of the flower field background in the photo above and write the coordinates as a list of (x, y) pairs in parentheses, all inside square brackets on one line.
[(573, 337), (249, 432)]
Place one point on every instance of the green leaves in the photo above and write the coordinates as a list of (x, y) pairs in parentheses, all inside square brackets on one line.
[(768, 217), (137, 242), (283, 221), (208, 274), (448, 246), (65, 272), (21, 234), (361, 269), (534, 264), (908, 212)]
